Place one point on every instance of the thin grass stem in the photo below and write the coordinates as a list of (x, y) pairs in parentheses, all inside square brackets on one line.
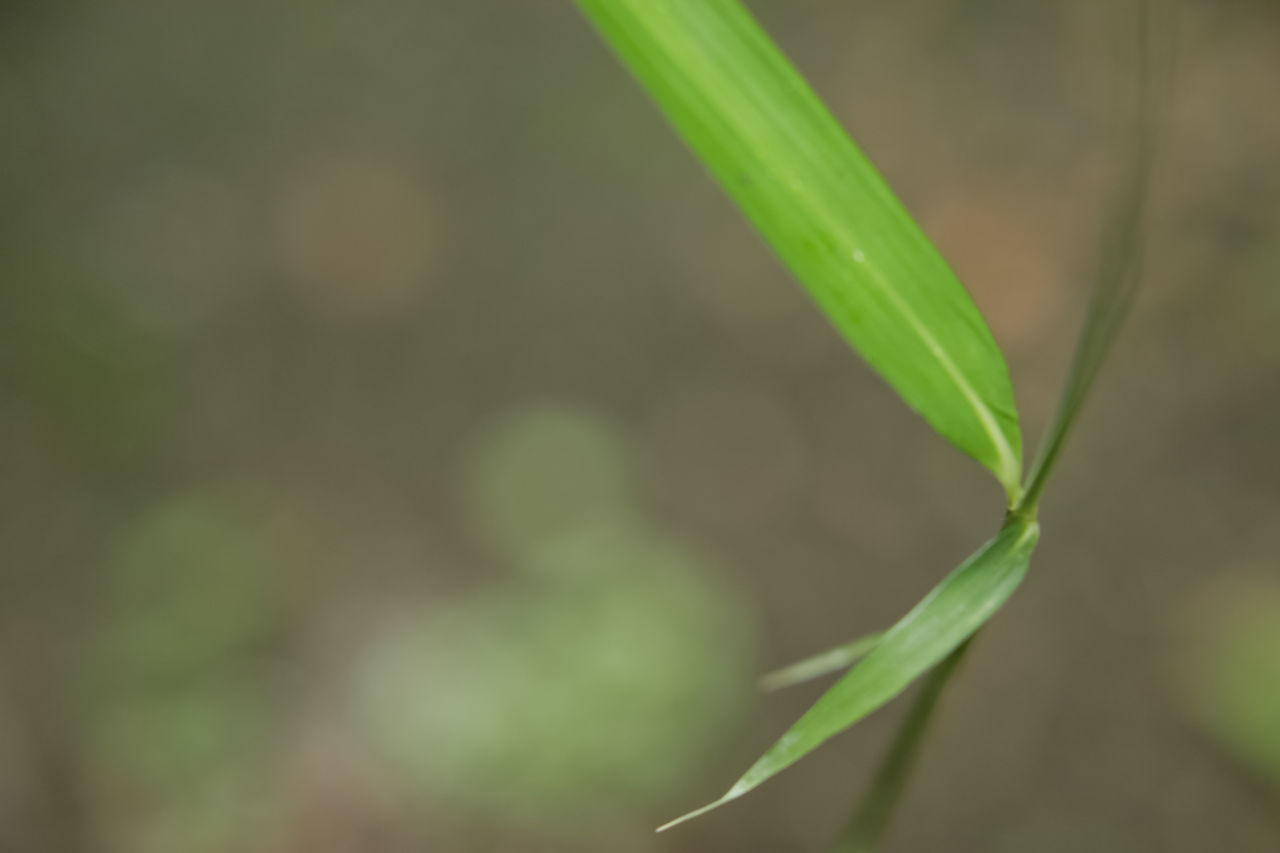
[(1143, 112)]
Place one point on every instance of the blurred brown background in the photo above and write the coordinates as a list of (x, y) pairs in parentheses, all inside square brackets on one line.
[(405, 447)]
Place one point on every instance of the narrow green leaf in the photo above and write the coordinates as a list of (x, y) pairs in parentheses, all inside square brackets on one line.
[(956, 608), (825, 210), (823, 663)]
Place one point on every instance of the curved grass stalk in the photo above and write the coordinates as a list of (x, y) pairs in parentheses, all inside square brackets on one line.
[(1123, 235), (831, 218)]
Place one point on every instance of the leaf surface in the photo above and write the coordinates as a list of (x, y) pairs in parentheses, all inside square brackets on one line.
[(827, 213), (949, 615)]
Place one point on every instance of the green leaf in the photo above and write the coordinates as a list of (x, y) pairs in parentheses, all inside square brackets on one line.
[(932, 630), (825, 210), (823, 663)]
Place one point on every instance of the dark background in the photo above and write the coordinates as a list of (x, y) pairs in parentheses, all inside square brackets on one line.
[(404, 446)]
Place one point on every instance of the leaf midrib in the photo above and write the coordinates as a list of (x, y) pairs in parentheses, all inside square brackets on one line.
[(1008, 464)]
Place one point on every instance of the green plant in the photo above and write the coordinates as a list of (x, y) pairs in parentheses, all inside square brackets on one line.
[(832, 219)]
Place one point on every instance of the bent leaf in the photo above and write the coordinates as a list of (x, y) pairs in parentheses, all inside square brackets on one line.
[(936, 626), (825, 210), (823, 663)]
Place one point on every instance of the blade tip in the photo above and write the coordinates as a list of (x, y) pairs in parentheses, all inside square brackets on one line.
[(691, 815)]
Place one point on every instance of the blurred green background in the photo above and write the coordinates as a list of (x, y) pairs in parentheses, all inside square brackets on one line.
[(404, 447)]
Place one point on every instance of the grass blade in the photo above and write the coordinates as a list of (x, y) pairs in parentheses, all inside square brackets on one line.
[(825, 210), (933, 629), (823, 663)]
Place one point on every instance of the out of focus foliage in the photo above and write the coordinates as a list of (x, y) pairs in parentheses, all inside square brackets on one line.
[(1230, 670), (592, 682)]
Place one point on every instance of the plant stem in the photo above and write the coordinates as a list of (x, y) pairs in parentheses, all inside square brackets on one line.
[(877, 806), (1124, 224)]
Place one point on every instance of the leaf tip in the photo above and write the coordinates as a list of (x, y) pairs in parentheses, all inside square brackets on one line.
[(697, 812), (771, 682)]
